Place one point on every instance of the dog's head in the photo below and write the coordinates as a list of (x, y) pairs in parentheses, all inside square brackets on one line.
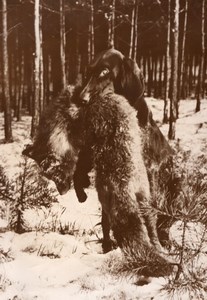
[(111, 71), (56, 145)]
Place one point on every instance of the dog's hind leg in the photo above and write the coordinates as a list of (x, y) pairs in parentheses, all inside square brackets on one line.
[(150, 220), (151, 225)]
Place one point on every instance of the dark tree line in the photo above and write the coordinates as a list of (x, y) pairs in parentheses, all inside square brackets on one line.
[(46, 45)]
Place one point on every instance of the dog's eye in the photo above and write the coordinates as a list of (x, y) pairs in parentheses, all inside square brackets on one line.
[(104, 72)]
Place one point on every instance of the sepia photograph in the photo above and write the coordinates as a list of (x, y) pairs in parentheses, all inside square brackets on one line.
[(103, 150)]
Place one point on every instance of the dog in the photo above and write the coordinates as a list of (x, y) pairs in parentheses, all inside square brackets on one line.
[(128, 81), (107, 126)]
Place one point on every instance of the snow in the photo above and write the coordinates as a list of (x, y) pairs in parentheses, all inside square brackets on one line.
[(46, 265), (191, 127)]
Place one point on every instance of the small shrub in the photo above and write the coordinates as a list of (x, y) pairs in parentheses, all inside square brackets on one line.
[(4, 283), (44, 251), (68, 228), (189, 208), (28, 190), (5, 255)]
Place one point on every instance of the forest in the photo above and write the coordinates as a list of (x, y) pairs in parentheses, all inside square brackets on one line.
[(47, 45), (51, 244)]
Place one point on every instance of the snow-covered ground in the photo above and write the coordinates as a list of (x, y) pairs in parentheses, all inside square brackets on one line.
[(46, 265)]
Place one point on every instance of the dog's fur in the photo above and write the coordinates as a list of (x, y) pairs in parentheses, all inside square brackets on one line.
[(110, 125), (113, 133), (127, 80)]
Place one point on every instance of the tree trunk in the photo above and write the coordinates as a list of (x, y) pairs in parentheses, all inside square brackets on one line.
[(204, 74), (167, 68), (160, 76), (132, 33), (21, 87), (173, 98), (36, 108), (41, 67), (17, 75), (62, 43), (50, 82), (6, 94), (155, 77), (135, 30), (91, 33), (182, 60), (201, 78), (11, 77), (149, 80), (78, 79), (89, 43), (111, 22)]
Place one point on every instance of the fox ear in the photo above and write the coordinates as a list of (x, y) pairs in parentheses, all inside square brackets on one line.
[(29, 151)]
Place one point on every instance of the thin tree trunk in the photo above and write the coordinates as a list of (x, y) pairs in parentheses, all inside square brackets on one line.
[(30, 87), (173, 100), (187, 77), (144, 66), (182, 61), (21, 87), (160, 76), (17, 75), (194, 71), (11, 77), (136, 29), (111, 22), (50, 82), (149, 81), (155, 77), (89, 44), (167, 68), (92, 31), (7, 100), (132, 33), (36, 108), (41, 67), (204, 75), (78, 79), (200, 78), (62, 43)]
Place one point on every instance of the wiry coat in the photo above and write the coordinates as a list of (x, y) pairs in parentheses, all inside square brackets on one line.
[(115, 151), (113, 134)]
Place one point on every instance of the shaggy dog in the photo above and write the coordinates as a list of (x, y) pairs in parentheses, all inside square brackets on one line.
[(127, 80), (114, 136), (110, 125)]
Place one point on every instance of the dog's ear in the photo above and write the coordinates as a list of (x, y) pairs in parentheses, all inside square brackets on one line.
[(131, 80), (29, 151), (130, 84)]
